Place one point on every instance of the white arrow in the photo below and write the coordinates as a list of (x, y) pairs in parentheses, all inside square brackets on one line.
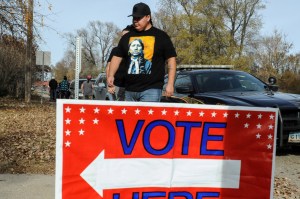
[(158, 172)]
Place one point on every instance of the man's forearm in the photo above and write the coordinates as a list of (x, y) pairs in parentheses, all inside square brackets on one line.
[(171, 70), (114, 65), (107, 69)]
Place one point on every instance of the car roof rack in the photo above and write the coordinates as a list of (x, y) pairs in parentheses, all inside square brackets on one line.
[(193, 67)]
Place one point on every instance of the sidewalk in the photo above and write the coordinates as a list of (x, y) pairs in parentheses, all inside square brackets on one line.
[(26, 186)]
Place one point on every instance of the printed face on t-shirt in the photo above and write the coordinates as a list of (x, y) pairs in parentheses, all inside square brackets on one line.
[(148, 45), (141, 50), (136, 48)]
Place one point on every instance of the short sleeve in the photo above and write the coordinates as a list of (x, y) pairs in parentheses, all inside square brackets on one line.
[(112, 53), (169, 50), (121, 50)]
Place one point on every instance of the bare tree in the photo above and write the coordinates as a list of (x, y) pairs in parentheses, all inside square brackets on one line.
[(18, 24), (97, 41), (89, 46), (242, 20), (105, 37), (272, 53)]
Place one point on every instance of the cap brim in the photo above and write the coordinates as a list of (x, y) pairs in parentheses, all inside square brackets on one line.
[(136, 15)]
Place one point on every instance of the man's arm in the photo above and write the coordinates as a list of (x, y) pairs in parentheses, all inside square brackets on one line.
[(171, 76), (82, 87), (107, 68), (110, 89), (113, 67)]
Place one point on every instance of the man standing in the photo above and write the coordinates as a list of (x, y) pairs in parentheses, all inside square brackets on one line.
[(53, 86), (64, 88), (117, 92), (87, 88), (156, 47)]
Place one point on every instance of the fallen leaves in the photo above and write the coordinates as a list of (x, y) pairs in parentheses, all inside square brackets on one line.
[(283, 189), (27, 137)]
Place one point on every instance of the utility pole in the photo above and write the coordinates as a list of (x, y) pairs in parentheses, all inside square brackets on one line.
[(29, 53)]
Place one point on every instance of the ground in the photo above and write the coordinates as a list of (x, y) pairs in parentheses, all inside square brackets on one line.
[(27, 137), (27, 145)]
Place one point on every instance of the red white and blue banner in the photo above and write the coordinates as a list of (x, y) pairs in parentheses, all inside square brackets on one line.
[(127, 150)]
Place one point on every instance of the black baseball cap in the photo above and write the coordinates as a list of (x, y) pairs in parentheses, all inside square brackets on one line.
[(140, 10)]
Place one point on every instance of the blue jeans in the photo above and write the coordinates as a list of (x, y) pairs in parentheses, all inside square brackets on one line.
[(150, 95), (111, 97)]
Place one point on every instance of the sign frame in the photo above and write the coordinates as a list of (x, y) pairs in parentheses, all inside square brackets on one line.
[(60, 132)]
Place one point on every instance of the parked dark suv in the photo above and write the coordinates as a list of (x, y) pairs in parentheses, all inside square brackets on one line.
[(238, 88)]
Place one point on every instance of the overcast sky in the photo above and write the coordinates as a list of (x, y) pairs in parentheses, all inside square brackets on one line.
[(71, 15)]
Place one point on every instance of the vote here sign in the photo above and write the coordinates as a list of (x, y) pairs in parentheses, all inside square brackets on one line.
[(126, 150)]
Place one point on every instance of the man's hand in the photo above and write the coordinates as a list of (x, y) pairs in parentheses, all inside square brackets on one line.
[(110, 81), (111, 89), (169, 90)]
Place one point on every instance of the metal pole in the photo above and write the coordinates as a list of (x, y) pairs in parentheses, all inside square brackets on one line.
[(78, 66)]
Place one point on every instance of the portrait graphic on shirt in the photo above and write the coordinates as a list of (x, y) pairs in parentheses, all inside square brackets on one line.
[(140, 53)]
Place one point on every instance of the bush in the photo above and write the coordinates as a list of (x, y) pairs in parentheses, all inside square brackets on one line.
[(12, 62)]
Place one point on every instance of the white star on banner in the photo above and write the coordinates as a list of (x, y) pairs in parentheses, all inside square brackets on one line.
[(96, 121), (110, 111), (269, 146), (68, 133), (137, 111), (124, 111), (201, 114), (68, 144), (150, 112), (189, 113), (246, 125), (213, 114), (225, 115), (81, 121), (82, 110), (270, 137), (176, 113), (96, 110), (68, 121), (68, 109), (271, 127), (259, 116), (164, 112), (237, 115), (258, 126), (248, 115), (272, 117), (258, 136), (81, 132)]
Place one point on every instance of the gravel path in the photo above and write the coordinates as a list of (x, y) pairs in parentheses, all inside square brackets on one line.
[(24, 186), (287, 176)]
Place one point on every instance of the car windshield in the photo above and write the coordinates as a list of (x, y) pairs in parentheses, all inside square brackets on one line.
[(228, 82)]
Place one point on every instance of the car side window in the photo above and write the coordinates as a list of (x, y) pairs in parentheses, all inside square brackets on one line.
[(183, 81)]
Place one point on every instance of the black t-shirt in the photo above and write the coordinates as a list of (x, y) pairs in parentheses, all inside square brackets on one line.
[(145, 54), (120, 74)]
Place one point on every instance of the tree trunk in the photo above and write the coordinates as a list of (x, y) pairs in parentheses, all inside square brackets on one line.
[(28, 65)]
